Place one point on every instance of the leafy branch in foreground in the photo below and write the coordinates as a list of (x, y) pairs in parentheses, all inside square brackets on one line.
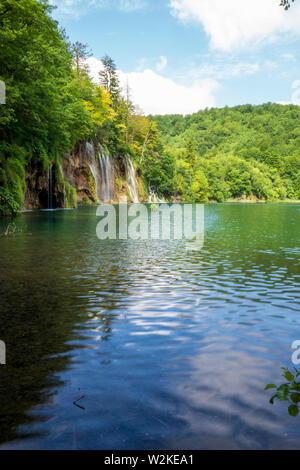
[(289, 391), (286, 4)]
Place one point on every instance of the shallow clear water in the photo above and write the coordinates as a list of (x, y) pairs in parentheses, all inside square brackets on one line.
[(171, 348)]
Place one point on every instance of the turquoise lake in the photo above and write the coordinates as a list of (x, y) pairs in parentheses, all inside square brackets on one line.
[(169, 348)]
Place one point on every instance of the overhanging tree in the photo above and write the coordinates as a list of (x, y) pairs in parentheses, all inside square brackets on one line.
[(286, 3)]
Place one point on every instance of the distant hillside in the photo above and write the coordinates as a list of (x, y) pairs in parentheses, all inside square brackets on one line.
[(241, 151)]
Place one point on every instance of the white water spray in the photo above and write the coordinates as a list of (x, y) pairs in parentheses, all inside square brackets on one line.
[(107, 175), (154, 199), (50, 198), (132, 182), (63, 178), (101, 166)]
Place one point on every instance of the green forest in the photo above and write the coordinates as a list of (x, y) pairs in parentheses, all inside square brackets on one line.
[(233, 152), (52, 104)]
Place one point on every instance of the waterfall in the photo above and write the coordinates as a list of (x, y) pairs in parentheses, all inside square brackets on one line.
[(132, 181), (63, 177), (90, 149), (153, 198), (92, 163), (107, 175), (96, 177), (50, 197), (64, 195), (101, 166)]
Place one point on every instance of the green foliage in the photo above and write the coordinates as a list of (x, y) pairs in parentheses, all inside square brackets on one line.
[(288, 391), (92, 185), (71, 196), (12, 178), (79, 53), (200, 187), (158, 169), (183, 179), (52, 103), (190, 155), (286, 3), (38, 120), (109, 79), (245, 151), (10, 203)]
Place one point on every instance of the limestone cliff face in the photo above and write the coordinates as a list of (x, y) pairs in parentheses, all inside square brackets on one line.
[(38, 183), (78, 173), (87, 176), (36, 194)]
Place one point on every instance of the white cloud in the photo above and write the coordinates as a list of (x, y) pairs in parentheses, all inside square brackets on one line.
[(155, 94), (296, 93), (234, 24), (95, 66), (142, 64), (161, 65), (295, 98), (159, 95)]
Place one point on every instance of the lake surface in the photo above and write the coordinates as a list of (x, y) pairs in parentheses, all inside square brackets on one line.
[(170, 348)]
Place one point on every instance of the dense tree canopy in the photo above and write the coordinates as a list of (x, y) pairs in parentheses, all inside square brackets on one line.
[(51, 102), (241, 151)]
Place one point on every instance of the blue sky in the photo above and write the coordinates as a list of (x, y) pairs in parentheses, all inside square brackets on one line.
[(180, 56)]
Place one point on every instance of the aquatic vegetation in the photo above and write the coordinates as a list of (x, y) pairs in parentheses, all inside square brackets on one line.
[(288, 391)]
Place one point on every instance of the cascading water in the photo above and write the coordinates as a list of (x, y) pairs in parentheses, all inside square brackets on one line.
[(132, 181), (63, 178), (154, 199), (107, 175), (50, 197), (102, 169), (92, 162)]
